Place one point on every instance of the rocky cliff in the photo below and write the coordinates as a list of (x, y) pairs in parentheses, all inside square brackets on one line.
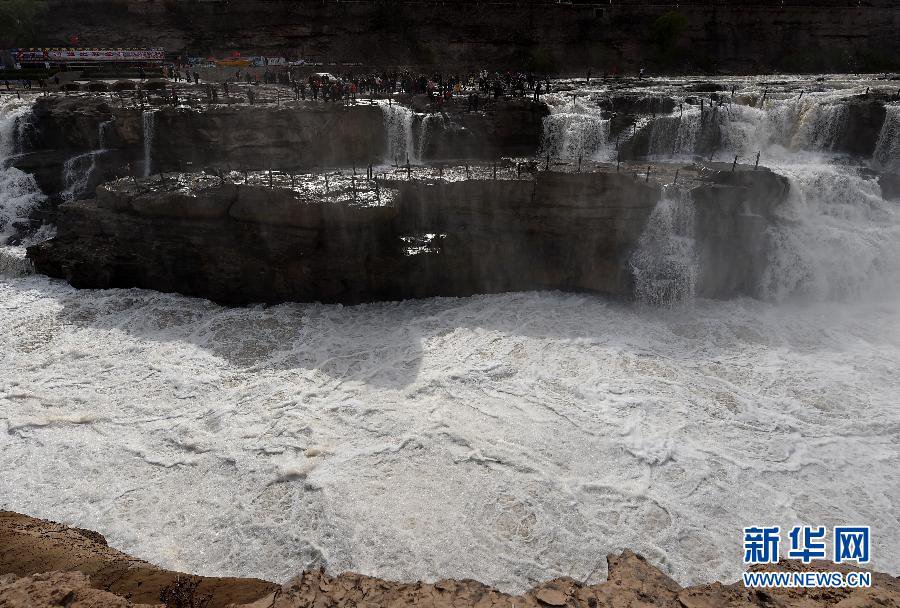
[(736, 36), (121, 138), (236, 241)]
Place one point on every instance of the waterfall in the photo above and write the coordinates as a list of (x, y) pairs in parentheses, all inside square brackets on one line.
[(398, 127), (424, 126), (101, 134), (677, 134), (887, 150), (77, 173), (837, 238), (78, 170), (19, 193), (813, 123), (664, 265), (149, 124), (575, 129)]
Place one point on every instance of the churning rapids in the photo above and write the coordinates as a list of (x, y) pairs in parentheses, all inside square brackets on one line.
[(508, 438)]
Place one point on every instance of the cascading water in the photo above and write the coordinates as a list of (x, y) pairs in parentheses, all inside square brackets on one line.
[(813, 122), (19, 192), (575, 129), (784, 125), (677, 134), (839, 238), (428, 122), (664, 265), (149, 127), (78, 170), (836, 236), (887, 149), (77, 173), (398, 126)]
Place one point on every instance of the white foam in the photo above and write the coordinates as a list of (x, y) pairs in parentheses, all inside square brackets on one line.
[(508, 438)]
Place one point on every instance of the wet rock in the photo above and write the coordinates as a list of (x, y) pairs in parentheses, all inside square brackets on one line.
[(502, 128), (858, 135), (238, 244), (890, 186), (733, 211)]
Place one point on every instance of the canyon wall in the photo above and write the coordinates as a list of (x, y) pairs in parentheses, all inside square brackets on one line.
[(238, 243), (741, 37)]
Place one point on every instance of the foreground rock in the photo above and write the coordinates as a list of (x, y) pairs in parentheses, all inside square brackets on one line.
[(69, 589), (44, 564), (632, 582), (29, 547)]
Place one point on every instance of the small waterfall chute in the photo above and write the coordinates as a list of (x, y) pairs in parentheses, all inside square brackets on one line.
[(398, 127), (887, 150), (575, 129), (19, 193), (78, 170), (148, 120), (664, 265)]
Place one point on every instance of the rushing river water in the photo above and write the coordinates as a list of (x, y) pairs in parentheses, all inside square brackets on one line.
[(509, 438)]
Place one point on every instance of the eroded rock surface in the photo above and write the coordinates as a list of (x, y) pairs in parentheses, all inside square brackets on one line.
[(239, 243), (82, 572), (72, 556), (236, 242)]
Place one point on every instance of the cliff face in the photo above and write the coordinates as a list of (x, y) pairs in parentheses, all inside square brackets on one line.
[(236, 243), (741, 37), (289, 136)]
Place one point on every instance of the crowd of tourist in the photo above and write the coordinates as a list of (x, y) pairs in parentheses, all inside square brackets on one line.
[(440, 88), (350, 86)]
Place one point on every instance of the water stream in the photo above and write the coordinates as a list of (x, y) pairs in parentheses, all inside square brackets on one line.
[(149, 131)]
